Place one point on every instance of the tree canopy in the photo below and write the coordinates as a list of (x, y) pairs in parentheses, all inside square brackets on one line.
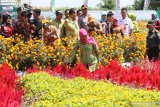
[(107, 4), (139, 4)]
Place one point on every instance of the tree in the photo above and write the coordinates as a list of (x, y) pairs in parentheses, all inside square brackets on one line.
[(154, 5), (107, 4), (139, 4)]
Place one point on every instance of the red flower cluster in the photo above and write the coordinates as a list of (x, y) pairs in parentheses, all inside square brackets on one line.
[(9, 95), (146, 76)]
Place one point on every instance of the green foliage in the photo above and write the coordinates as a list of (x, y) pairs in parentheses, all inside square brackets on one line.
[(138, 4), (107, 4), (154, 5), (43, 90)]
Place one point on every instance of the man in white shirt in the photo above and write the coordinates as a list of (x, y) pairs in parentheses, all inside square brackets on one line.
[(126, 22)]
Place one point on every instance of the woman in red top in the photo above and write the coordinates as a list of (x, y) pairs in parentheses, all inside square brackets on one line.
[(6, 28), (116, 28)]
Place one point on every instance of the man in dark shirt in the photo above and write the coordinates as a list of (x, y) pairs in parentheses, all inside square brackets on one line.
[(153, 42), (37, 23), (157, 21)]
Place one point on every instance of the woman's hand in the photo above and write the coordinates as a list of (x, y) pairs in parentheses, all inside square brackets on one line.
[(65, 63)]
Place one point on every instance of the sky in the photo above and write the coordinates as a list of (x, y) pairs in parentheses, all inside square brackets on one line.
[(74, 3)]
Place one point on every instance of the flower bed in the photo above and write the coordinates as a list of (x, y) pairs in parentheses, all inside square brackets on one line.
[(10, 95), (22, 55), (146, 76), (47, 91)]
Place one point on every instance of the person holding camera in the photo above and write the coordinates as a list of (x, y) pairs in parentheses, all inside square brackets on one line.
[(37, 23), (116, 28), (6, 27), (50, 34), (94, 26), (24, 27)]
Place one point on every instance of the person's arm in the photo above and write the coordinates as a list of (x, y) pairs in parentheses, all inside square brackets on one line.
[(100, 30), (69, 26), (63, 32), (80, 22), (131, 32), (95, 49), (157, 25), (131, 27), (39, 25), (73, 53), (54, 29), (122, 32), (2, 32)]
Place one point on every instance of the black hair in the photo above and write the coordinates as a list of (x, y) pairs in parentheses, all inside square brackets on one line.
[(58, 12), (5, 17), (78, 10), (110, 13), (124, 9), (24, 13), (19, 9), (37, 11), (66, 10), (72, 10)]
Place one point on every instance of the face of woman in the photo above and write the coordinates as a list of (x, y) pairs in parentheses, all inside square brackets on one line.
[(9, 20), (74, 15), (67, 14), (110, 18), (83, 37), (80, 13), (26, 20)]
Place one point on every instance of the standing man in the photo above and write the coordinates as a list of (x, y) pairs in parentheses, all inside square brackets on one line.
[(71, 27), (83, 20), (58, 21), (153, 41), (37, 23), (109, 22), (126, 22)]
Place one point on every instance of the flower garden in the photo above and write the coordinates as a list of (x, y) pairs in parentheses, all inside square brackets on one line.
[(47, 83)]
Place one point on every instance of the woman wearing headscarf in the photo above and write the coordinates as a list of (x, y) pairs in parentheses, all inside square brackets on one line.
[(116, 28), (7, 28), (88, 51), (94, 26), (50, 34)]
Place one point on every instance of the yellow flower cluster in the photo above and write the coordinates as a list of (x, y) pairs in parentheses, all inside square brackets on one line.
[(109, 48), (58, 92), (134, 47), (22, 55)]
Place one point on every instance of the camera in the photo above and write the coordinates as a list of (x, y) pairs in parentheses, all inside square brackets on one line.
[(27, 10)]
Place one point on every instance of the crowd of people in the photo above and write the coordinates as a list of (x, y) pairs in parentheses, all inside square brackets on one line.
[(76, 26)]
